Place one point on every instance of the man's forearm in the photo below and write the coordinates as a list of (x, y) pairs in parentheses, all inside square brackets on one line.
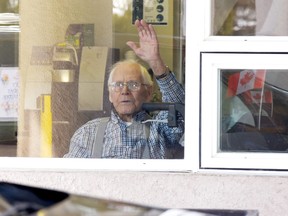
[(172, 91)]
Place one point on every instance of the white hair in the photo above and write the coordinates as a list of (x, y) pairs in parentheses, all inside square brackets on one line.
[(147, 79)]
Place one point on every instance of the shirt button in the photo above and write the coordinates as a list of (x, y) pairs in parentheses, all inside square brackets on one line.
[(171, 82)]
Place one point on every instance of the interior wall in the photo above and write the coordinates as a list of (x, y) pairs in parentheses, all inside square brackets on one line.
[(43, 24)]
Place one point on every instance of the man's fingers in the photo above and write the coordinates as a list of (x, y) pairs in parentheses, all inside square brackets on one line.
[(132, 45), (152, 31)]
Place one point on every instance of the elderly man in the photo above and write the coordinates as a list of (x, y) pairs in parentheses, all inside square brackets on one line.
[(127, 134)]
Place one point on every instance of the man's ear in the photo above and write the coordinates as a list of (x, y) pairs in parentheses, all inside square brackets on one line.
[(110, 99), (149, 93)]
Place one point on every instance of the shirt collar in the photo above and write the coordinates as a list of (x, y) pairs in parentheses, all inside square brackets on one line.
[(139, 117)]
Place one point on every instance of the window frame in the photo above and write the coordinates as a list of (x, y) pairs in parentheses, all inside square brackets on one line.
[(198, 41), (199, 44), (81, 164), (210, 157)]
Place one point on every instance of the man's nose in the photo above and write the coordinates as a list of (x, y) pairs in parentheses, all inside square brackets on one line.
[(125, 89)]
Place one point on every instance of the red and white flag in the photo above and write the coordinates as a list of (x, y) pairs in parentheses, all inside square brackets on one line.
[(245, 80), (254, 96)]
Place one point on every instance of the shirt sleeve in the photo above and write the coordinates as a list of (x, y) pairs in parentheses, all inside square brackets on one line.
[(172, 91), (172, 135)]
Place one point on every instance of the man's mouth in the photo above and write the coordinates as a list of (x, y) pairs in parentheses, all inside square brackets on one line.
[(126, 101)]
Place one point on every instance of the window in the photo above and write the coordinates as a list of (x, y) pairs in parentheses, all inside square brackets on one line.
[(241, 127), (249, 18), (66, 52), (247, 119), (232, 18)]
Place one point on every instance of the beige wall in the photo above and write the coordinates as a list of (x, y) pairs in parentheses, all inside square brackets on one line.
[(44, 23), (268, 194)]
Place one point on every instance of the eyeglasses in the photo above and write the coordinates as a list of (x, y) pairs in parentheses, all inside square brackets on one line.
[(131, 85)]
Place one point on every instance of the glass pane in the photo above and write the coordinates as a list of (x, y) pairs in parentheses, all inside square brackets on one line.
[(9, 75), (249, 17), (254, 107), (67, 49)]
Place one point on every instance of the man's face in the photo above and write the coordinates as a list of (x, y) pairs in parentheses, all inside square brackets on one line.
[(127, 102)]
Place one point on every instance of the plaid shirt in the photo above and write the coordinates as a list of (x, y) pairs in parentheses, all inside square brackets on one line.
[(122, 140)]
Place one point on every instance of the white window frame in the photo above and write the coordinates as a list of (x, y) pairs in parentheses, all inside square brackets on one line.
[(212, 63), (216, 54)]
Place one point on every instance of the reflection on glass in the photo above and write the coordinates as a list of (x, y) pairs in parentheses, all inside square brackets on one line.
[(65, 63), (249, 18), (9, 74), (234, 17), (254, 106)]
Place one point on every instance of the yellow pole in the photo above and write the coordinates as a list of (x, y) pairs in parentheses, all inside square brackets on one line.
[(46, 126)]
